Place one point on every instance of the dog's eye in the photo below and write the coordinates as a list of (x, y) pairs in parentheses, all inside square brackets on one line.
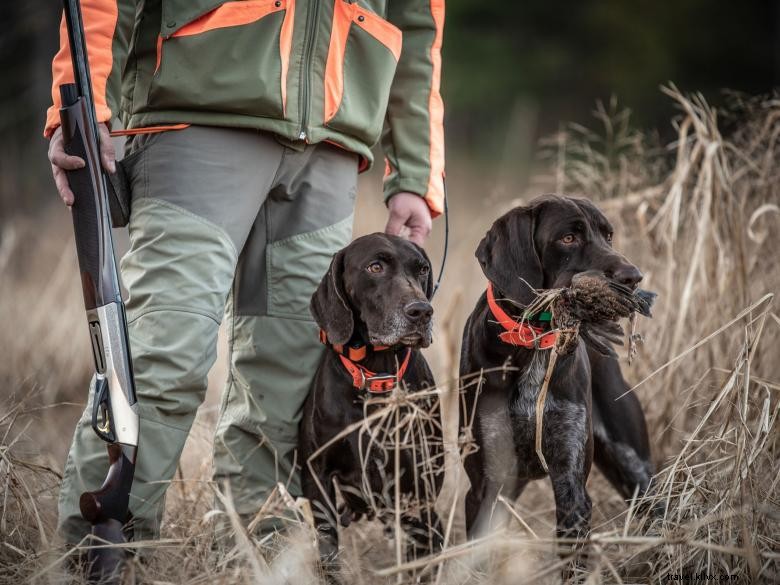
[(375, 267), (569, 239), (424, 270), (609, 238)]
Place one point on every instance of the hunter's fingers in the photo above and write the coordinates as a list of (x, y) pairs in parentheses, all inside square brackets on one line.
[(419, 233), (64, 161), (395, 223), (60, 162), (107, 151), (409, 217), (419, 225), (61, 180), (59, 158)]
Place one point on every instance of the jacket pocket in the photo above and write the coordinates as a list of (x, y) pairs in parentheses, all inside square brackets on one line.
[(362, 57), (232, 59)]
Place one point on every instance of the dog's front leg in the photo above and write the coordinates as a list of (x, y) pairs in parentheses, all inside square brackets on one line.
[(573, 511), (318, 488), (423, 534), (573, 506), (573, 514)]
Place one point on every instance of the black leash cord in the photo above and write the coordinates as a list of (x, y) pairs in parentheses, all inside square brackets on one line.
[(446, 239)]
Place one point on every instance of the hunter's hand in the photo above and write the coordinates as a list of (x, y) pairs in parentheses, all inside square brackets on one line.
[(61, 162), (409, 211)]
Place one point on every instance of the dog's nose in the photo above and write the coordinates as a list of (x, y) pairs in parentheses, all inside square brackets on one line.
[(628, 275), (419, 311)]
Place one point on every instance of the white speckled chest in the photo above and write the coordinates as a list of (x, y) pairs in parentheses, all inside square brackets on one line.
[(509, 433)]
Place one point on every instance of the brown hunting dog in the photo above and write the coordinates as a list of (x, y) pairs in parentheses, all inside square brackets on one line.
[(373, 308), (542, 246)]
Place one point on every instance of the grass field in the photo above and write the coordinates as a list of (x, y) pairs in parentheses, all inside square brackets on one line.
[(700, 216)]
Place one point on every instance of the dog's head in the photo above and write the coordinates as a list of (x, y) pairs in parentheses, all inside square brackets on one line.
[(380, 285), (547, 243)]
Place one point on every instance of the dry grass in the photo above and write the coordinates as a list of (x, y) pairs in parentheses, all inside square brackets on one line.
[(699, 216)]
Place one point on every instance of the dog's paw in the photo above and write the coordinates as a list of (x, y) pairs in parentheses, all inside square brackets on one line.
[(329, 564)]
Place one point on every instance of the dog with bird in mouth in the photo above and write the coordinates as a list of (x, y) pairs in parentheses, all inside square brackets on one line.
[(565, 243)]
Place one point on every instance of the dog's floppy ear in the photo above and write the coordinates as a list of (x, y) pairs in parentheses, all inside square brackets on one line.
[(429, 281), (508, 257), (329, 305)]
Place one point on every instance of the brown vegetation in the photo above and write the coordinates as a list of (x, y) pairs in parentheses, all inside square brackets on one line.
[(699, 216)]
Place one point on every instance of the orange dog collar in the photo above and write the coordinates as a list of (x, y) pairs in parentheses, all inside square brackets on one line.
[(519, 333), (362, 377)]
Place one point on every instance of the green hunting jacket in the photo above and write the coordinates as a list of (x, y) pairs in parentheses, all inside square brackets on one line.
[(336, 71)]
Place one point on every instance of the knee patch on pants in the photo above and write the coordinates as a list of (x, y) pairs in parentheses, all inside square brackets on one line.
[(179, 270), (295, 265)]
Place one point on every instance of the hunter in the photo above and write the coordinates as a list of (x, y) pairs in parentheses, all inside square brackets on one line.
[(248, 123)]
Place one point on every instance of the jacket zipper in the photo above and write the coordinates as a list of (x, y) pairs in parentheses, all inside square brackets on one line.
[(308, 49)]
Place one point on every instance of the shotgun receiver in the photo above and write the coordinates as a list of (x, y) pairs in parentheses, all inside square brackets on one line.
[(114, 409)]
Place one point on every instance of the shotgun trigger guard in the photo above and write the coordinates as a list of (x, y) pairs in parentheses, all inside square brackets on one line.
[(102, 418)]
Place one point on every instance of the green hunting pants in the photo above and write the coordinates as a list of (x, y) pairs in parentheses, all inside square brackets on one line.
[(223, 221)]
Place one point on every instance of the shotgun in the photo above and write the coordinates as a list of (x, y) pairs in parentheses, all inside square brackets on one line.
[(114, 409)]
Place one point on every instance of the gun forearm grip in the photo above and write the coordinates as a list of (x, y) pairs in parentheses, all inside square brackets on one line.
[(86, 223), (90, 217)]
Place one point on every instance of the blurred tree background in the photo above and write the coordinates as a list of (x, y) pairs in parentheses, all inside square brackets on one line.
[(510, 68)]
